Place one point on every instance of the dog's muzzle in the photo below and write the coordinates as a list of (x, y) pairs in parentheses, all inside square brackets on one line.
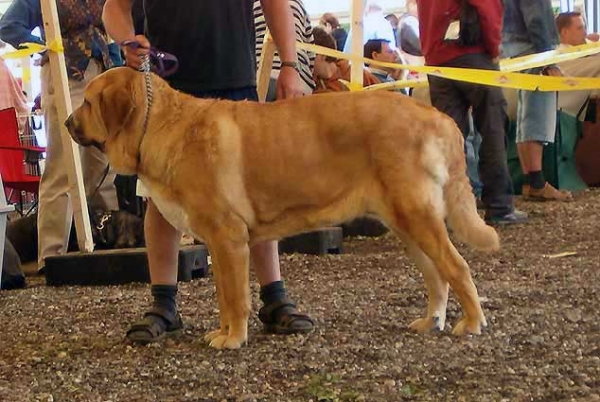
[(72, 127), (78, 136)]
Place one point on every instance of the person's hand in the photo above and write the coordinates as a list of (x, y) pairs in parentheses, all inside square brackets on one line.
[(593, 37), (133, 55), (552, 71), (289, 84)]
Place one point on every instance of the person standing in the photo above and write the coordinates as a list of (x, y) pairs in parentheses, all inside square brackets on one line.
[(443, 47), (529, 28), (87, 54), (216, 53)]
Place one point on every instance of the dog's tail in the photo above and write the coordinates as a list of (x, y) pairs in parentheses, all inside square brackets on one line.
[(461, 208)]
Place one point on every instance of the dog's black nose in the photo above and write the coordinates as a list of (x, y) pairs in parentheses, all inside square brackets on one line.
[(69, 121)]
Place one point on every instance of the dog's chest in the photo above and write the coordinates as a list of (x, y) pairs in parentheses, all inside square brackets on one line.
[(172, 212)]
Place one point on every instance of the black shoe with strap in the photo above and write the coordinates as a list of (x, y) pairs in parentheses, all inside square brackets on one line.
[(282, 317), (156, 324)]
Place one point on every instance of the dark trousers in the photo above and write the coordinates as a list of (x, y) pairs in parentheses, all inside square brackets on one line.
[(489, 116)]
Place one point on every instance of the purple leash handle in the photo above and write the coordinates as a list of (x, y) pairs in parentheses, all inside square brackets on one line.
[(158, 59)]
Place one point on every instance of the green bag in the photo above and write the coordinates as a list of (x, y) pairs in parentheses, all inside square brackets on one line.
[(559, 157)]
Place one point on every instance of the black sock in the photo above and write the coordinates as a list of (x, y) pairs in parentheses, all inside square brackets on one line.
[(165, 296), (536, 179), (526, 179), (273, 292)]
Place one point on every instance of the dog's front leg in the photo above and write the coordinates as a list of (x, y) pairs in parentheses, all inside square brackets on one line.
[(233, 293), (223, 309)]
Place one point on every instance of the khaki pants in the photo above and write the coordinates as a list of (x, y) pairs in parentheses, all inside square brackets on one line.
[(55, 210)]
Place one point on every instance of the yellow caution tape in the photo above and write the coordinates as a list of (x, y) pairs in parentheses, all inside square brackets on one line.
[(549, 57), (505, 78), (28, 49)]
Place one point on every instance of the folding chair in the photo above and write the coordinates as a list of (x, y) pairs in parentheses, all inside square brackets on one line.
[(19, 159)]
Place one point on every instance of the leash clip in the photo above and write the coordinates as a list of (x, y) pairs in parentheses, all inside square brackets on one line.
[(103, 220)]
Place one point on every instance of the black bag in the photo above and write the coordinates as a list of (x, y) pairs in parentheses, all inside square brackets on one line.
[(470, 29), (12, 274)]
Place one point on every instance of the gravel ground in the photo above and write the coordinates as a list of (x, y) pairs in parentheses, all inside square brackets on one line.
[(542, 342)]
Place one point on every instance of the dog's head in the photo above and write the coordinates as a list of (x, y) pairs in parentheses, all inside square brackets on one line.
[(111, 117)]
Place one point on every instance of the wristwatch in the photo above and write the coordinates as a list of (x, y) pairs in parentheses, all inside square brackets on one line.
[(293, 64)]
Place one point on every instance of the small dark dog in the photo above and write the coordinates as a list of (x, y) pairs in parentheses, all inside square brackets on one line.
[(117, 229), (110, 230)]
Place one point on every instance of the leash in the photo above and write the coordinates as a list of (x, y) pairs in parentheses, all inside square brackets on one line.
[(153, 61), (158, 61)]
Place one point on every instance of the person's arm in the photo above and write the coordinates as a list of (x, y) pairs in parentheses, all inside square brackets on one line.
[(278, 15), (22, 17), (490, 14), (118, 22), (540, 24)]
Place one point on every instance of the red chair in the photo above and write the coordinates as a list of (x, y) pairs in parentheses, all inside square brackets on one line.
[(19, 157)]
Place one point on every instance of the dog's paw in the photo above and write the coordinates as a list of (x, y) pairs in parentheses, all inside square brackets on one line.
[(226, 342), (427, 324), (467, 326), (213, 334)]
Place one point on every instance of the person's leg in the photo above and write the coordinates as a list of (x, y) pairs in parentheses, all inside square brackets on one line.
[(54, 209), (537, 126), (162, 246), (278, 313), (448, 99), (490, 120), (93, 161), (472, 146)]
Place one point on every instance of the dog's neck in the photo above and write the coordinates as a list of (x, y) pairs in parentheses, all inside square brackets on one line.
[(168, 112)]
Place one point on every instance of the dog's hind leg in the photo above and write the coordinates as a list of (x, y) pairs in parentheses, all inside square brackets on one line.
[(426, 228), (432, 237), (437, 290)]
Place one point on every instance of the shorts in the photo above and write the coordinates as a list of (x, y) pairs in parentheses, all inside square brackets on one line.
[(536, 116)]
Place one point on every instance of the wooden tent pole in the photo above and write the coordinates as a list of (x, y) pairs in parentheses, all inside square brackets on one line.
[(265, 65), (71, 149), (356, 14)]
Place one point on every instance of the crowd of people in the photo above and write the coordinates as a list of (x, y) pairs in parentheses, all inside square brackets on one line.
[(217, 61)]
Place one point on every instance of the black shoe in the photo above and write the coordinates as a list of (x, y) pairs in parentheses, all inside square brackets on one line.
[(511, 218), (282, 317), (156, 324)]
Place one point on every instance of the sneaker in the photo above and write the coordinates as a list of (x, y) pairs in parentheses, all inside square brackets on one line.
[(511, 218), (549, 193)]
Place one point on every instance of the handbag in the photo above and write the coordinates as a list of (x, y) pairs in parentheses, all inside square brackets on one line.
[(587, 151)]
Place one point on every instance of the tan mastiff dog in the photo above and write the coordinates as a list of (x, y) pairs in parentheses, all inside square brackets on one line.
[(237, 173)]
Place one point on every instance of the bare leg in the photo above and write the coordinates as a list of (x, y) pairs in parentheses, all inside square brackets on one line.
[(162, 243), (265, 261)]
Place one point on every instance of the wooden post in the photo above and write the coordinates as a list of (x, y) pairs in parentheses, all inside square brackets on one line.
[(71, 149), (356, 70), (265, 65)]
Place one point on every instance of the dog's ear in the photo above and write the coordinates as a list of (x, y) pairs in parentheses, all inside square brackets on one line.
[(117, 103)]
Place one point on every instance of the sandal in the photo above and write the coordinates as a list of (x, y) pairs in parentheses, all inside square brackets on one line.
[(282, 317), (156, 324)]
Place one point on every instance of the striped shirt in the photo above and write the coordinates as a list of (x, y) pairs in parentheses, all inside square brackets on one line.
[(303, 34)]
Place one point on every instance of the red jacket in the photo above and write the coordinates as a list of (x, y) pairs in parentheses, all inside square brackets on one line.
[(435, 17)]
